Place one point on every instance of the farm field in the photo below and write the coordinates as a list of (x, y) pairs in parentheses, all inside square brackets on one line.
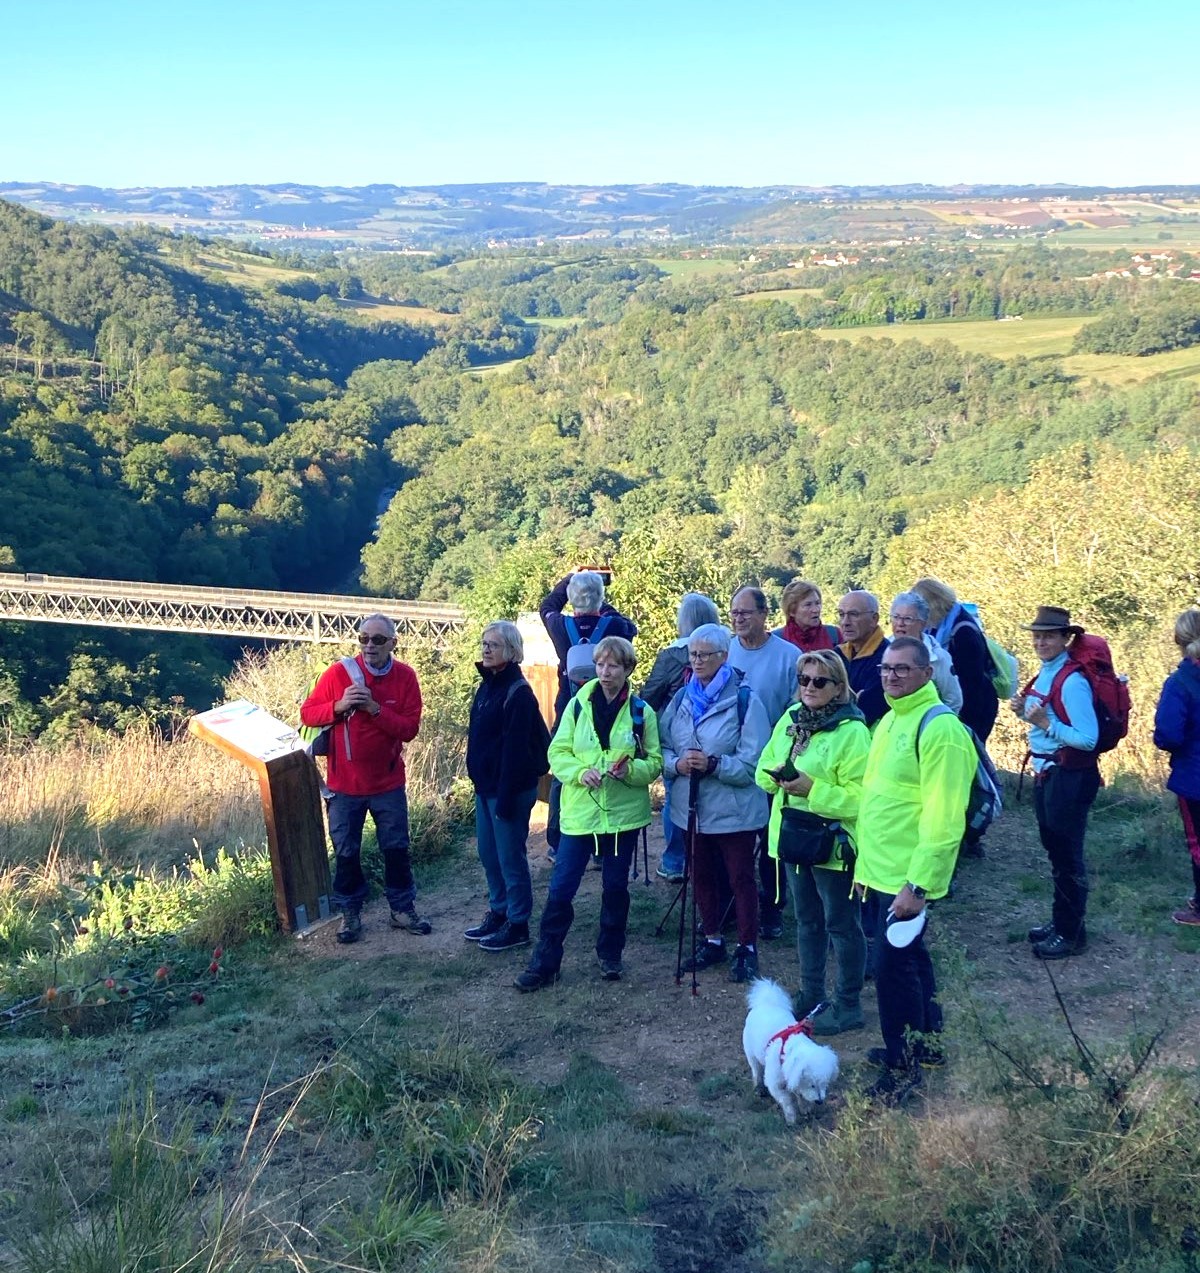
[(693, 266), (1034, 338), (383, 310), (1185, 236)]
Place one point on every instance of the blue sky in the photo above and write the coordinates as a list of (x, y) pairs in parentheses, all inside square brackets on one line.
[(128, 92)]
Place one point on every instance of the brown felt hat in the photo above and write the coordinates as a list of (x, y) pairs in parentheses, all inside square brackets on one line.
[(1053, 619)]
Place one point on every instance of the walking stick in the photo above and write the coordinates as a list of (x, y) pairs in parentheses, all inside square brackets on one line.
[(682, 898)]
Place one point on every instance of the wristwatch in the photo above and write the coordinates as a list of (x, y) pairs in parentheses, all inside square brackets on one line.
[(917, 891)]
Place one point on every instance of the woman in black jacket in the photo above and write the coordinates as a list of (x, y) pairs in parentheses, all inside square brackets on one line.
[(956, 628), (506, 755)]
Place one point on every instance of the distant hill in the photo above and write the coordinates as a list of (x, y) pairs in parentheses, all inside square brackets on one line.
[(390, 216)]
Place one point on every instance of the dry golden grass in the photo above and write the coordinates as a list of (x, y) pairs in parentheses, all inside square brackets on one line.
[(141, 797)]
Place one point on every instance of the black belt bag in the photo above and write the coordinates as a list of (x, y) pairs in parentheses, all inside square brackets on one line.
[(806, 839)]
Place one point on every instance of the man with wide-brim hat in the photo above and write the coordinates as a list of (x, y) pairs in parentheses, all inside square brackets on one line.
[(1057, 705)]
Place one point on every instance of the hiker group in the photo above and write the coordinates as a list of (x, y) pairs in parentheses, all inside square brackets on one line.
[(832, 764)]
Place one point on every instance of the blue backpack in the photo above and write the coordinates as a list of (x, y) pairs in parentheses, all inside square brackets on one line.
[(985, 803), (580, 663)]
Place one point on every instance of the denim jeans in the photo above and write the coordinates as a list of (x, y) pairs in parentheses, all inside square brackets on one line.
[(574, 853), (674, 857), (1061, 800), (347, 817), (501, 844), (905, 988), (826, 911)]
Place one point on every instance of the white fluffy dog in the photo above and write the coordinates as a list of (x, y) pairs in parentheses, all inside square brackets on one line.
[(780, 1053)]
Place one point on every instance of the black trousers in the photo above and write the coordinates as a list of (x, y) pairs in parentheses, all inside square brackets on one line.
[(1061, 800)]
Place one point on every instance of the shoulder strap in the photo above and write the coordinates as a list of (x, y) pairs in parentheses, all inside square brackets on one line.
[(600, 629), (572, 629), (743, 704), (832, 633), (938, 709), (353, 671), (514, 688), (1055, 697)]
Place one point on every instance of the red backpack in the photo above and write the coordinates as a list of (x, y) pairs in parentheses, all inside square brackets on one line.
[(1089, 655)]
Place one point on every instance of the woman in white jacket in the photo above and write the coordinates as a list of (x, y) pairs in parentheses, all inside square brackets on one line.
[(713, 731)]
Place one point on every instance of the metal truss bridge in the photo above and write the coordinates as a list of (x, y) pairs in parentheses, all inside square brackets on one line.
[(238, 612)]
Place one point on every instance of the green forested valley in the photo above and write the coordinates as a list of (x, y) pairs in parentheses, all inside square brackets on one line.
[(179, 411)]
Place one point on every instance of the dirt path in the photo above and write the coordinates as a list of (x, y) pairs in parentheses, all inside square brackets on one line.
[(668, 1045)]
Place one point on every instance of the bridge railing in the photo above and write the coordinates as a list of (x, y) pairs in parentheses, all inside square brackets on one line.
[(284, 616)]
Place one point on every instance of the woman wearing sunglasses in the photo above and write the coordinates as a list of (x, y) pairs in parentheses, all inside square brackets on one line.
[(816, 758)]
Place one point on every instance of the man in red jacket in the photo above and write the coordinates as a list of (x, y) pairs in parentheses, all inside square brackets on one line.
[(372, 706)]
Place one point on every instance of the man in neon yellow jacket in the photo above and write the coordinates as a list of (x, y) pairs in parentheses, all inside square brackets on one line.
[(910, 824)]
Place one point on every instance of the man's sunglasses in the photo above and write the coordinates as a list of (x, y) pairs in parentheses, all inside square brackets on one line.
[(373, 639), (817, 682)]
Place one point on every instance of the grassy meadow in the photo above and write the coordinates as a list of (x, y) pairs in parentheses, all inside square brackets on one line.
[(185, 1089), (1032, 338)]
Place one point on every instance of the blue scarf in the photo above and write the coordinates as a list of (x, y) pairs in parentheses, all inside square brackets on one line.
[(942, 632), (702, 697)]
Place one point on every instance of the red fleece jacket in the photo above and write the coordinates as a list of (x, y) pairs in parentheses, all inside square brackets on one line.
[(374, 762)]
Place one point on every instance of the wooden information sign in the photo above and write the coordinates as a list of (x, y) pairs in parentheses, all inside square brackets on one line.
[(291, 800)]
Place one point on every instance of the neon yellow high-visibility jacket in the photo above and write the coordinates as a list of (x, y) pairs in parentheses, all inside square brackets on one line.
[(912, 815), (617, 804), (834, 759)]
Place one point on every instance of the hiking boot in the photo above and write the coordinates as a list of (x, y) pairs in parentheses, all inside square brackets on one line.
[(770, 929), (491, 923), (610, 969), (534, 979), (1189, 915), (506, 937), (838, 1019), (894, 1085), (1043, 932), (930, 1054), (351, 929), (708, 954), (411, 922), (745, 964), (672, 877), (1058, 947)]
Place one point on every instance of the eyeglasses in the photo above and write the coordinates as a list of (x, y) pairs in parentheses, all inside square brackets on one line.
[(904, 618), (851, 614), (897, 669), (491, 647), (373, 638), (743, 614), (817, 682), (700, 656)]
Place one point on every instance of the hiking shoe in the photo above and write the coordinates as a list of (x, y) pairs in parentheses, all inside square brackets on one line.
[(491, 923), (838, 1019), (745, 964), (411, 922), (1043, 932), (1058, 947), (351, 929), (770, 929), (1189, 915), (672, 877), (610, 969), (930, 1054), (534, 979), (708, 954), (506, 937), (894, 1085)]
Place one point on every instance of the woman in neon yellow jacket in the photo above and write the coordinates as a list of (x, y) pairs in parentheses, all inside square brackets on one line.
[(606, 754), (815, 761)]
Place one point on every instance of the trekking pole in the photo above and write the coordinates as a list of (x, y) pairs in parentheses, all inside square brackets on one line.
[(690, 840)]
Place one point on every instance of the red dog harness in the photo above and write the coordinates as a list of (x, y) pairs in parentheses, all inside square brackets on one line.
[(801, 1027)]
